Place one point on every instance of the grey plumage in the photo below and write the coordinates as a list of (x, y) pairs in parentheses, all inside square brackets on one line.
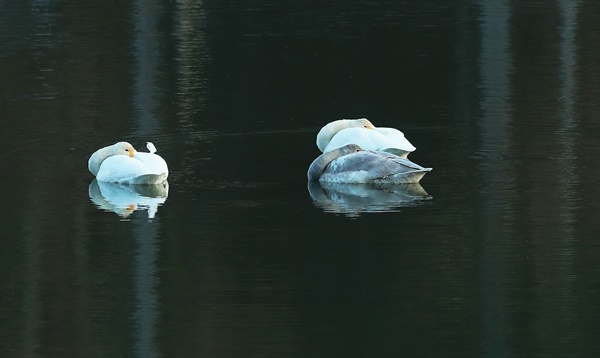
[(351, 164)]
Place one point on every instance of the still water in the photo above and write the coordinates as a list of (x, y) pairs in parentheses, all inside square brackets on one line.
[(495, 254)]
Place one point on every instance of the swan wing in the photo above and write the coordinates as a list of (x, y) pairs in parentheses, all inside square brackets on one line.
[(399, 160), (127, 170), (120, 168), (368, 166), (393, 139), (388, 139), (155, 163), (365, 138)]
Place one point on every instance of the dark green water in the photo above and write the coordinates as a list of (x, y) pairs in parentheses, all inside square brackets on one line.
[(239, 260)]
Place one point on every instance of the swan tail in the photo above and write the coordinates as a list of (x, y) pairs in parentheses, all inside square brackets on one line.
[(147, 179), (410, 177)]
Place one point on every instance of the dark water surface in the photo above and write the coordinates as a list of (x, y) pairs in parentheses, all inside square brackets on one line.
[(496, 254)]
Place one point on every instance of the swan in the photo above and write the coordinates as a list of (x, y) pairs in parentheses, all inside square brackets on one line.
[(121, 163), (353, 165), (363, 133)]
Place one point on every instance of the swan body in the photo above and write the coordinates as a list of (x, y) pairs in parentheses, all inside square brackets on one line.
[(363, 133), (121, 163), (353, 165)]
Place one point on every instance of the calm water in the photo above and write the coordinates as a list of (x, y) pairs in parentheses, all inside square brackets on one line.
[(496, 254)]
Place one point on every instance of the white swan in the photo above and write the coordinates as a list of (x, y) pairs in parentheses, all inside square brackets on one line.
[(353, 165), (363, 133), (121, 163)]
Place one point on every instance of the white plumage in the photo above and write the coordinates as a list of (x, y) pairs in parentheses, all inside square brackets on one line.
[(363, 133), (121, 163)]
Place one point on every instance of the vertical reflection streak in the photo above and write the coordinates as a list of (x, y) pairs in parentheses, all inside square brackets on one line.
[(495, 68), (146, 52), (191, 54), (146, 49), (146, 307), (566, 131), (566, 158), (33, 307)]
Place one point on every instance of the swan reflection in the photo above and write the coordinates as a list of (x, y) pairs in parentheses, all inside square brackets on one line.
[(353, 199), (124, 199)]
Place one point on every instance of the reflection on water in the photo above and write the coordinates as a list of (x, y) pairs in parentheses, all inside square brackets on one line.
[(354, 199), (123, 199), (145, 280), (497, 172), (566, 131), (147, 62), (501, 96)]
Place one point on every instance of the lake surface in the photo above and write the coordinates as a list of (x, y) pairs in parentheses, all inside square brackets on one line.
[(495, 254)]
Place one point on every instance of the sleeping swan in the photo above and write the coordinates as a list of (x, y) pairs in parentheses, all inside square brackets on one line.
[(121, 163), (363, 133), (353, 165)]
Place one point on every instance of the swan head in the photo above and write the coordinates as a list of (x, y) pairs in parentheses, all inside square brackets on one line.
[(328, 131), (319, 165), (121, 148)]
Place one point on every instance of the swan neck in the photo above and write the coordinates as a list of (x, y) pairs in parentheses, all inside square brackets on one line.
[(97, 158), (328, 131), (318, 166)]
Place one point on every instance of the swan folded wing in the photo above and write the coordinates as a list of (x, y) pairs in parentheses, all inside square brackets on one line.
[(394, 139), (120, 169), (123, 169), (388, 139), (367, 166), (365, 138), (155, 163), (401, 160)]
